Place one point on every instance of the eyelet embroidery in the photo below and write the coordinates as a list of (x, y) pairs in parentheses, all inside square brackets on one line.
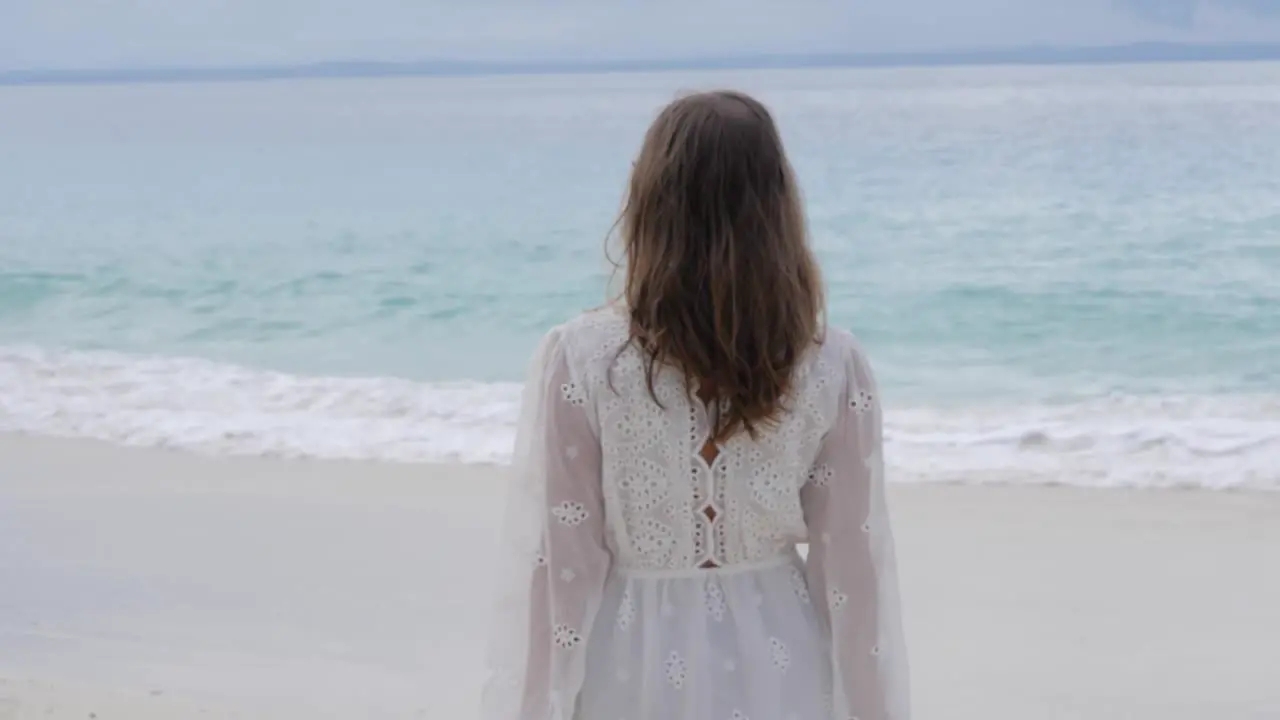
[(715, 602), (677, 671), (626, 612), (822, 475), (574, 394), (565, 637), (779, 654), (800, 585), (861, 402), (570, 513), (836, 599)]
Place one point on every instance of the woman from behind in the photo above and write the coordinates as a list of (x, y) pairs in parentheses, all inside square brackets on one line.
[(674, 450)]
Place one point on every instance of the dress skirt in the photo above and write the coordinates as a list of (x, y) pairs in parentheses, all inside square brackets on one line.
[(735, 643)]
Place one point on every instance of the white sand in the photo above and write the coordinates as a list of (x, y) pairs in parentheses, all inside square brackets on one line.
[(145, 584)]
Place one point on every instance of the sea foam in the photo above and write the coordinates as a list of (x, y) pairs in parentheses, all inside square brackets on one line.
[(1216, 442)]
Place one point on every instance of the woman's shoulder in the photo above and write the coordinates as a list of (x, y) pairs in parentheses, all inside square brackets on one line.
[(838, 343), (591, 335), (593, 326), (840, 349)]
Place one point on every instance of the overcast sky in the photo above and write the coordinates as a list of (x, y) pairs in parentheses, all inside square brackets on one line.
[(118, 33)]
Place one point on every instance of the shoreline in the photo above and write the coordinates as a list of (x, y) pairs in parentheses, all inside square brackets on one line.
[(149, 584)]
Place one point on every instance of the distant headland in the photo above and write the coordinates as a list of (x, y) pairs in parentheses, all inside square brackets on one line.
[(1117, 54)]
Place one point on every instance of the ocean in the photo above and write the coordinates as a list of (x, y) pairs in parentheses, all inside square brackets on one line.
[(1063, 274)]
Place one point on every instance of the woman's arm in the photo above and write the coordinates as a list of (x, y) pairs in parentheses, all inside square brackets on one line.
[(851, 557), (555, 558)]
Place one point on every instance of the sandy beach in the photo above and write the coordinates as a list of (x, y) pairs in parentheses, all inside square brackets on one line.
[(143, 584)]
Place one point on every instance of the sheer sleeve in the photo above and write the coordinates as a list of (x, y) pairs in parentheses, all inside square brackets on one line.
[(851, 557), (553, 556)]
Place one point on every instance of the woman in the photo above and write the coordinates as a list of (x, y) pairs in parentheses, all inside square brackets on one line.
[(675, 448)]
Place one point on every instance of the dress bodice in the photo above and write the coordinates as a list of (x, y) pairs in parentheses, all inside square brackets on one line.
[(666, 507)]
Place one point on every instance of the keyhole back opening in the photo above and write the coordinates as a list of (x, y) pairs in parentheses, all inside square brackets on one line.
[(709, 451)]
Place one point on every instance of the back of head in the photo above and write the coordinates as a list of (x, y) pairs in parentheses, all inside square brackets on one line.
[(720, 281)]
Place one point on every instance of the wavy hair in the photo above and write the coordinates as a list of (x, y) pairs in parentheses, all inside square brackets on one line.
[(720, 282)]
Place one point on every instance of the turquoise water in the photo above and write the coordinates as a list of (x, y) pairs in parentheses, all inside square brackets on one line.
[(1063, 274)]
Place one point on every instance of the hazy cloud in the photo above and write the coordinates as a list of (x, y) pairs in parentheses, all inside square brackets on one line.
[(1187, 13)]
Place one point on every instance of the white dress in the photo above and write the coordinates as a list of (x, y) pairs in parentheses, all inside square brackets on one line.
[(607, 609)]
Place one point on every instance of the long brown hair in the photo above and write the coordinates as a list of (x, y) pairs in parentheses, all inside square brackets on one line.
[(719, 279)]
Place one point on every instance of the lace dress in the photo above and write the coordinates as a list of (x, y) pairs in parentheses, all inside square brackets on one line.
[(641, 582)]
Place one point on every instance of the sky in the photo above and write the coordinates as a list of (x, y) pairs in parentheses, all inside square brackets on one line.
[(92, 34)]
